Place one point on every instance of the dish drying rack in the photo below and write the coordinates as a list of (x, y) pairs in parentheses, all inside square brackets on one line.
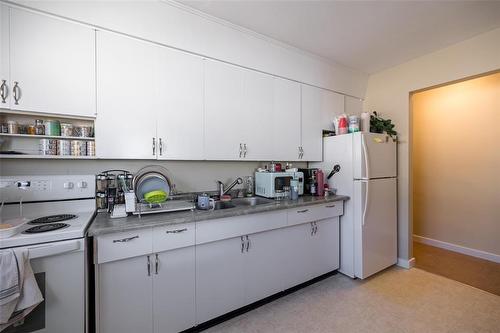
[(143, 207)]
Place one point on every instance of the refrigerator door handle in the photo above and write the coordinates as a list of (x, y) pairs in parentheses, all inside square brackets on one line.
[(365, 157), (365, 204)]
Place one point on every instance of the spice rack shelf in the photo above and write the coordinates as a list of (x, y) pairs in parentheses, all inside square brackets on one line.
[(72, 143), (30, 136)]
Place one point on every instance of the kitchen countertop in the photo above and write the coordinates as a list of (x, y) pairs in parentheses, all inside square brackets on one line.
[(103, 224)]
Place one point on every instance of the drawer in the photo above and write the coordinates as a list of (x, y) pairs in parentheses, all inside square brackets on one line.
[(213, 230), (314, 213), (121, 245), (173, 236)]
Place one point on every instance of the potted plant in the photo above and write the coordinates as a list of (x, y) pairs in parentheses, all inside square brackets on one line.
[(381, 125)]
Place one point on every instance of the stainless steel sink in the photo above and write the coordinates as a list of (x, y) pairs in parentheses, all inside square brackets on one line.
[(251, 201), (241, 202), (223, 205)]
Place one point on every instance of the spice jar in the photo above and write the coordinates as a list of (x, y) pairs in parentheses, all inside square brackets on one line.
[(39, 127), (101, 183), (66, 129), (101, 200), (12, 127), (31, 130), (111, 181)]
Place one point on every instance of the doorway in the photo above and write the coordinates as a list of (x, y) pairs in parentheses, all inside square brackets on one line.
[(456, 180)]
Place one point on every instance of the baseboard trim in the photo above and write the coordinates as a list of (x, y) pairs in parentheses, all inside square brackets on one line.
[(406, 263), (458, 248)]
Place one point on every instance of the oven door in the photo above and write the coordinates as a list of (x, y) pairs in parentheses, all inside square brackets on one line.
[(60, 271)]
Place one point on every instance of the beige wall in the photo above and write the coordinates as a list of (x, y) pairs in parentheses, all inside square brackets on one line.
[(456, 163), (388, 92)]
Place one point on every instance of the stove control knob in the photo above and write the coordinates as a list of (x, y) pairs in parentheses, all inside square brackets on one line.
[(82, 184), (69, 185)]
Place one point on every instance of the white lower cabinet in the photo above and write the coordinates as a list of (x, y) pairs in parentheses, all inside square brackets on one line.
[(174, 290), (125, 291), (220, 283), (153, 293), (180, 276), (264, 265)]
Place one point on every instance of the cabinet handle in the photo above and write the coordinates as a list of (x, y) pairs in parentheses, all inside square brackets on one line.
[(242, 244), (149, 266), (157, 262), (154, 146), (244, 150), (331, 206), (4, 91), (176, 231), (241, 149), (124, 240), (315, 228), (161, 147), (248, 243), (312, 228), (16, 90), (303, 211)]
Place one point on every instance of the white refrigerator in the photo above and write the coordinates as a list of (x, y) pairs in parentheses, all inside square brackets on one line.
[(368, 170)]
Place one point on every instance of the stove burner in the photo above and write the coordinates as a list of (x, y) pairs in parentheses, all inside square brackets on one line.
[(45, 228), (52, 218)]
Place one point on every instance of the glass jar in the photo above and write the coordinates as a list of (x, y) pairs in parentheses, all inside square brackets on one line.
[(121, 182), (111, 181), (39, 127), (101, 183), (129, 180), (12, 127), (101, 200), (31, 130)]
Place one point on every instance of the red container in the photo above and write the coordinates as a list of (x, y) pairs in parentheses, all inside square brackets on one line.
[(320, 179)]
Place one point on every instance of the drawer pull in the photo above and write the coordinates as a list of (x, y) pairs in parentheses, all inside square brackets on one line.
[(303, 211), (124, 240), (331, 206), (175, 231)]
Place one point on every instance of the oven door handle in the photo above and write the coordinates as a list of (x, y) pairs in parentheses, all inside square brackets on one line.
[(53, 249)]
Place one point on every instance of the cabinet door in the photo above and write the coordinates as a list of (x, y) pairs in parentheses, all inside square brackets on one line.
[(298, 249), (223, 111), (311, 115), (220, 281), (128, 97), (53, 63), (263, 265), (174, 290), (286, 120), (325, 247), (4, 58), (180, 118), (256, 117), (125, 296)]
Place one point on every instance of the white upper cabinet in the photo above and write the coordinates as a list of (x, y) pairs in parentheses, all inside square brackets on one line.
[(285, 134), (52, 65), (4, 58), (256, 116), (128, 97), (180, 117), (311, 116), (223, 108)]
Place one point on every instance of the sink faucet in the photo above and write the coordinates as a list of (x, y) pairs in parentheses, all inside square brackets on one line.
[(225, 189)]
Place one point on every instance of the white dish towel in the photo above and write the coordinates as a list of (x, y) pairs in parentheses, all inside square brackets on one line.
[(19, 292)]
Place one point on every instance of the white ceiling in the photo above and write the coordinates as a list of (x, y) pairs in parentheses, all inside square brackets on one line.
[(365, 35)]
